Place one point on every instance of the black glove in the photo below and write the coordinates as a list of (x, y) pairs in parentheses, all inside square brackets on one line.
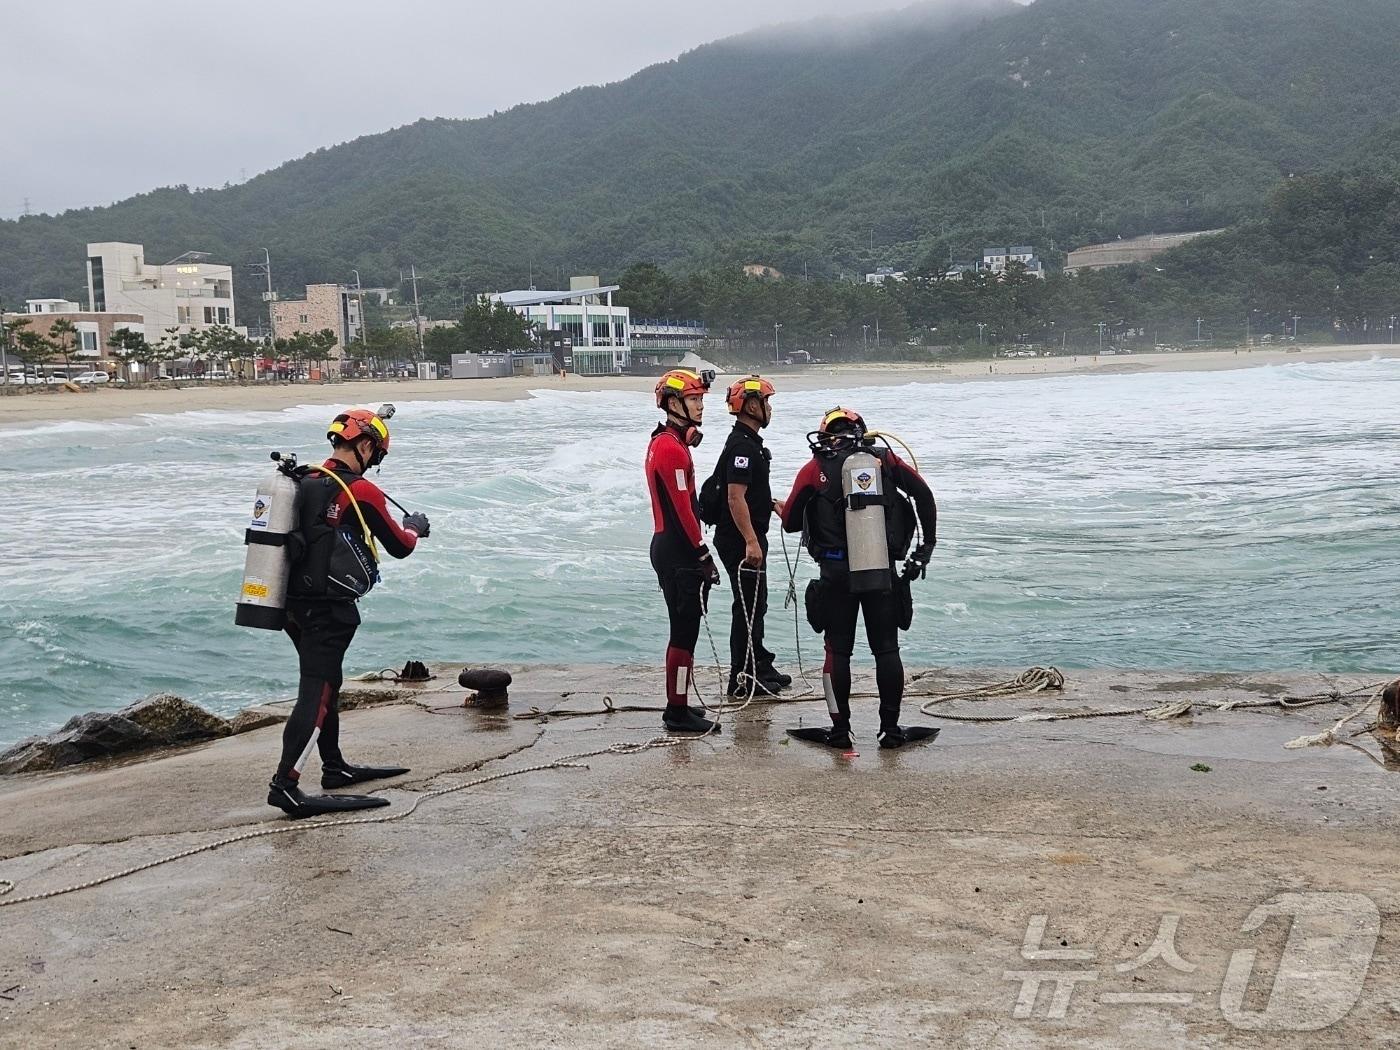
[(916, 566), (416, 522), (709, 571)]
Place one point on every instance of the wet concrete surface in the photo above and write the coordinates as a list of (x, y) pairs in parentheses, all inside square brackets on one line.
[(744, 890)]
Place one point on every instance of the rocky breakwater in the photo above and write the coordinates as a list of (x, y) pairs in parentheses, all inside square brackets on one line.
[(160, 720)]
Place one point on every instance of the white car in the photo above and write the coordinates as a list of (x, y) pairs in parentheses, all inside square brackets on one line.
[(58, 380), (92, 378)]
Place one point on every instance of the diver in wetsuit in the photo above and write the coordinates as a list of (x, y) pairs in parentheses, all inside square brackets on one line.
[(684, 567), (817, 508), (344, 520)]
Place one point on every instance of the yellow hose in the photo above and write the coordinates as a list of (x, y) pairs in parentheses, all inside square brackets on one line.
[(913, 460), (369, 536)]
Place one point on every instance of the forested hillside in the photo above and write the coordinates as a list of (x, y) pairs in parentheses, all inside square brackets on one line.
[(1060, 124)]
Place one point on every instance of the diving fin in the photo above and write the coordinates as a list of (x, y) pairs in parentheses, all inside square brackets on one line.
[(898, 736), (344, 776), (291, 800), (831, 736)]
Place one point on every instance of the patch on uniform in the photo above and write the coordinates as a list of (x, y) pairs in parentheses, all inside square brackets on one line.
[(864, 479), (741, 462), (680, 480)]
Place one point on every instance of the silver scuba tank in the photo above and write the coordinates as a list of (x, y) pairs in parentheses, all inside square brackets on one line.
[(867, 548), (262, 600)]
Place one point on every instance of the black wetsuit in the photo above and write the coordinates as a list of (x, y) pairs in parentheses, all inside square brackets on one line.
[(745, 461), (325, 582), (816, 508)]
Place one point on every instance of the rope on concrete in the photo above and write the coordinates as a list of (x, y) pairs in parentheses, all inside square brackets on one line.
[(575, 761)]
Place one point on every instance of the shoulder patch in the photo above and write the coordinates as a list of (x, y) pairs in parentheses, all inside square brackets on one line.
[(741, 462), (680, 480)]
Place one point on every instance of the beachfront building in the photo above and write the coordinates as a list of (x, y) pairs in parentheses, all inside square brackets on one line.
[(600, 333), (662, 344), (1125, 252), (189, 293), (93, 329), (332, 306)]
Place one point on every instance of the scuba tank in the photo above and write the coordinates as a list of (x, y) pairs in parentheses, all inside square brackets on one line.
[(262, 601), (867, 547)]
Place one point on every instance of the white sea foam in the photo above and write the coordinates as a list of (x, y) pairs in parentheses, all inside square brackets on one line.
[(1228, 519)]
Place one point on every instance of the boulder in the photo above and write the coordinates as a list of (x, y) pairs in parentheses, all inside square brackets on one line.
[(172, 719), (251, 718), (84, 737)]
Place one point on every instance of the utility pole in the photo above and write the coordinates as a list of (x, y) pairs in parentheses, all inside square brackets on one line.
[(1296, 319), (877, 333), (776, 326), (417, 317), (865, 339), (981, 327), (1101, 326), (1198, 328)]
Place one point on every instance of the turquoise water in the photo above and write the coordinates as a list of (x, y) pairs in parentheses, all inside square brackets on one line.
[(1215, 520)]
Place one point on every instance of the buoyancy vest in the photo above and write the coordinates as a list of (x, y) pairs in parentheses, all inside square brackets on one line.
[(333, 561)]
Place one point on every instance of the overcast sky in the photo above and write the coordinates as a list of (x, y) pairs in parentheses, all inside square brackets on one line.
[(115, 98)]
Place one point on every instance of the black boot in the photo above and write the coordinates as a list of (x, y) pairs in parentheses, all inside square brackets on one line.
[(284, 793), (772, 678), (687, 720), (344, 775)]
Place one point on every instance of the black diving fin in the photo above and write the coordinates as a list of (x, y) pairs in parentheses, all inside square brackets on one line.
[(898, 736), (829, 736), (344, 776), (291, 800)]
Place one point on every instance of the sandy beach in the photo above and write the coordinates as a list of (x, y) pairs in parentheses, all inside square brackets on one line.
[(743, 891), (38, 406)]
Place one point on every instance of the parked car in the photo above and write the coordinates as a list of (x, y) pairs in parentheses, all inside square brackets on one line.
[(56, 380), (92, 378)]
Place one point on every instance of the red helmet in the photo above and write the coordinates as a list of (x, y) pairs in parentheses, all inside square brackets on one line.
[(682, 383), (743, 389), (355, 423), (841, 419)]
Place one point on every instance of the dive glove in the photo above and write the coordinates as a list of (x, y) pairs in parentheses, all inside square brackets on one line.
[(708, 569), (416, 522), (916, 566)]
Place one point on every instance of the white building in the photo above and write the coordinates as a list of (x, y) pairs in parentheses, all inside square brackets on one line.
[(601, 332), (996, 260), (883, 274), (52, 306), (186, 293)]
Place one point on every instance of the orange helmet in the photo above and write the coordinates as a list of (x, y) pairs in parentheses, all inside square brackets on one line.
[(682, 383), (743, 389), (355, 423), (839, 419)]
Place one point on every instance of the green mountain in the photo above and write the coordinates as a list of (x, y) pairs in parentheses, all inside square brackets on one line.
[(929, 131)]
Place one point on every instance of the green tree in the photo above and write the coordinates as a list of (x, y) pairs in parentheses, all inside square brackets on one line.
[(32, 348), (131, 348), (63, 334), (489, 327)]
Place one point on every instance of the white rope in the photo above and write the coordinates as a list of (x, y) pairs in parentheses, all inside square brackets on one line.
[(1329, 737), (565, 762)]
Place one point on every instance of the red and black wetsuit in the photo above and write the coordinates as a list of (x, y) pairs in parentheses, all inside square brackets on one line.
[(677, 552), (816, 507), (321, 612)]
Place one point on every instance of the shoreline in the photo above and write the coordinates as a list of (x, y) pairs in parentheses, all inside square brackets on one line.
[(17, 410)]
